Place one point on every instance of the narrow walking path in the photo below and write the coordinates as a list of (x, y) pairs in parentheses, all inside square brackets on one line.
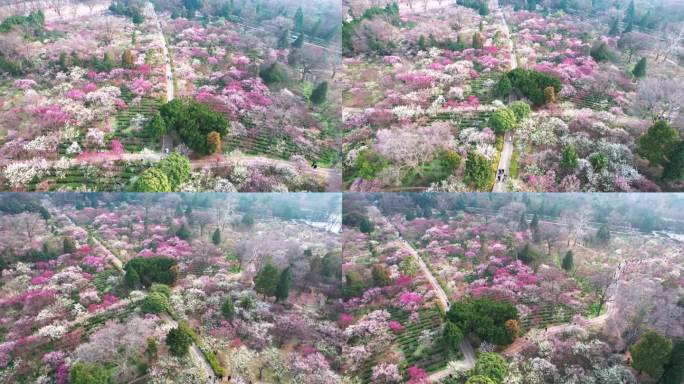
[(167, 143), (504, 163)]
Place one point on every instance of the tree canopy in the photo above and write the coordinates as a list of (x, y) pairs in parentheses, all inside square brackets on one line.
[(284, 283), (651, 353), (176, 167), (193, 122), (179, 340), (485, 318), (658, 142), (152, 180), (503, 120), (530, 84), (146, 271), (266, 281), (478, 171), (491, 365), (82, 373)]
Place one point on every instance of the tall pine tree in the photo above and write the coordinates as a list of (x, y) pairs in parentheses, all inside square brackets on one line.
[(284, 283), (568, 262), (640, 69), (299, 20), (216, 237), (266, 281)]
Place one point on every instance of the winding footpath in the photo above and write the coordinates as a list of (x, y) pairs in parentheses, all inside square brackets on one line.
[(507, 150), (195, 354), (469, 356)]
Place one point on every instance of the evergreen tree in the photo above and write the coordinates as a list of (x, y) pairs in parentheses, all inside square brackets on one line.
[(504, 86), (380, 275), (64, 61), (299, 20), (452, 335), (81, 373), (216, 237), (658, 142), (284, 283), (272, 73), (674, 369), (366, 226), (108, 63), (183, 232), (284, 39), (503, 120), (179, 340), (674, 169), (227, 308), (629, 28), (214, 142), (478, 171), (156, 126), (651, 353), (127, 59), (299, 41), (614, 28), (421, 43), (176, 167), (640, 68), (69, 244), (152, 180), (630, 13), (266, 281), (152, 349), (155, 302), (569, 159), (248, 220), (598, 161), (319, 93), (527, 255), (567, 261), (600, 52), (603, 234), (478, 40), (491, 365), (460, 42)]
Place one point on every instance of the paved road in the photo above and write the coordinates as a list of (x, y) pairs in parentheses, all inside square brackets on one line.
[(507, 150), (167, 142), (504, 163)]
